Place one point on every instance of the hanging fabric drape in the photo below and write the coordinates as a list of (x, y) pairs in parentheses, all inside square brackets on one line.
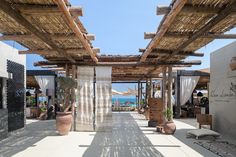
[(103, 99), (45, 83), (85, 93), (187, 85)]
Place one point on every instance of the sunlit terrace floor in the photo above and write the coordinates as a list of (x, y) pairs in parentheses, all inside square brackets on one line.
[(130, 137)]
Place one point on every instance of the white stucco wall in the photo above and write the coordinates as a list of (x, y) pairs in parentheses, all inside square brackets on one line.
[(223, 91), (10, 53)]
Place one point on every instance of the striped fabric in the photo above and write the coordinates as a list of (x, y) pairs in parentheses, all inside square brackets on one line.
[(84, 118), (103, 115)]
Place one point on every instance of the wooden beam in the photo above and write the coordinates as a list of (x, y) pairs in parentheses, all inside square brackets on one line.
[(96, 50), (90, 36), (54, 37), (18, 37), (178, 5), (150, 35), (205, 35), (221, 16), (181, 53), (61, 4), (48, 52), (76, 11), (168, 52), (189, 8), (46, 9), (124, 64), (15, 14), (162, 10)]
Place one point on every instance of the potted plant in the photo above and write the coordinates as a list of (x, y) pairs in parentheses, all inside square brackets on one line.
[(43, 113), (65, 87), (169, 127)]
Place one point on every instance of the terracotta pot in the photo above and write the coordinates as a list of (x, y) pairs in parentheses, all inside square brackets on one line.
[(169, 127), (63, 122)]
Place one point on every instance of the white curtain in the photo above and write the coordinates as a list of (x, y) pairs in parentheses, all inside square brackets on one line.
[(85, 93), (103, 98), (187, 85), (46, 82)]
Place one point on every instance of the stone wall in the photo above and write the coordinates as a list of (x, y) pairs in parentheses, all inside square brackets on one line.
[(3, 123)]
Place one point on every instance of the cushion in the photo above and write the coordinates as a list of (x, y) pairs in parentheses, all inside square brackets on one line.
[(202, 132)]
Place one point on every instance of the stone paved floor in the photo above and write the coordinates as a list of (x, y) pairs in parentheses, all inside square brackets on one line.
[(130, 137)]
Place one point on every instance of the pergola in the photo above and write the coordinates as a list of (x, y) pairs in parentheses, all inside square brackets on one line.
[(52, 29)]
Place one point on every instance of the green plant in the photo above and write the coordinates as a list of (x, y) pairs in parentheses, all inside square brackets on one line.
[(168, 113), (65, 92), (43, 109)]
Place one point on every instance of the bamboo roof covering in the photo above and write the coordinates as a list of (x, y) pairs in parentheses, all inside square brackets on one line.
[(52, 29), (31, 82), (189, 25)]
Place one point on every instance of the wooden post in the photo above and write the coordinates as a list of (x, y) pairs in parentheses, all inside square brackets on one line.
[(67, 70), (178, 106), (73, 99), (164, 87), (153, 90), (169, 94), (150, 88), (139, 100), (141, 93), (146, 92)]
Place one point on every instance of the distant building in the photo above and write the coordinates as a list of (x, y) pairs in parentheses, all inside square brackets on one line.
[(12, 90)]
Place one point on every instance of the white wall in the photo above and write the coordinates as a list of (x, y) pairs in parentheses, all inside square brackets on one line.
[(223, 91), (10, 53)]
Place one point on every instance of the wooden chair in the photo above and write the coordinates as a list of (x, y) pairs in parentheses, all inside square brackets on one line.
[(204, 119), (197, 110)]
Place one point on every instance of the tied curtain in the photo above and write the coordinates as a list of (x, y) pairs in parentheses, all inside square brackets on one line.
[(103, 99), (187, 85), (85, 93), (45, 83)]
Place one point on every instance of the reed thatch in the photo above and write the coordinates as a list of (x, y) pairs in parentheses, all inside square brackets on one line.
[(52, 29), (49, 21), (189, 25)]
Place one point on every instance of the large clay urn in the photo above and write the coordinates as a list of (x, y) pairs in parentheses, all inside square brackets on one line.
[(169, 127), (63, 122)]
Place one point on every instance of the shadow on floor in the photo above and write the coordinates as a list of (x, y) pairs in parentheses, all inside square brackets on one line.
[(32, 133), (125, 140), (180, 134)]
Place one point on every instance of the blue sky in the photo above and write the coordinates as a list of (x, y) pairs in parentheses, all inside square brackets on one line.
[(119, 28)]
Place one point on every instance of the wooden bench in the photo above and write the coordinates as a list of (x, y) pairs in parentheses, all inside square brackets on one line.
[(204, 119)]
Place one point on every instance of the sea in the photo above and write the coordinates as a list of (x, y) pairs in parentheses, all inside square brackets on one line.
[(124, 102)]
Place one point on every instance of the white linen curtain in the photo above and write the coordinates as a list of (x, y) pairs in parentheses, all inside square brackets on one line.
[(187, 85), (103, 99), (84, 118), (45, 82)]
